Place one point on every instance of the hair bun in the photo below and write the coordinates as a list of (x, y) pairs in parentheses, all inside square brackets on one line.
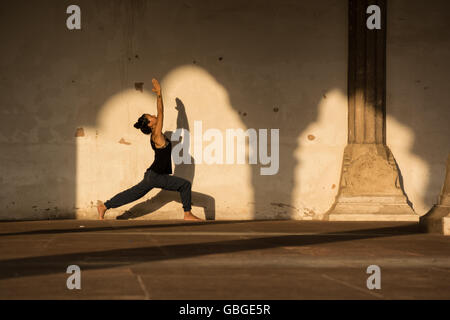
[(142, 124)]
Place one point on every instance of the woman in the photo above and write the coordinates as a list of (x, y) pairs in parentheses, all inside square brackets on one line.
[(159, 173)]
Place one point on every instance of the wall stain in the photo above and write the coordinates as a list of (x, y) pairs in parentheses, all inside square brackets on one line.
[(282, 205), (309, 212), (122, 141), (79, 133), (139, 86)]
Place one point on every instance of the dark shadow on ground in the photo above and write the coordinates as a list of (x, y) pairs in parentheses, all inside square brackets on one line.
[(44, 265), (183, 170), (151, 226)]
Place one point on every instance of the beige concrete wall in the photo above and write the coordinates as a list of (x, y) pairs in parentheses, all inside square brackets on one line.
[(233, 64), (289, 56), (418, 95)]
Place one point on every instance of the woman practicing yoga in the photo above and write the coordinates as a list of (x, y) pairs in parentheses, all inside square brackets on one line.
[(159, 173)]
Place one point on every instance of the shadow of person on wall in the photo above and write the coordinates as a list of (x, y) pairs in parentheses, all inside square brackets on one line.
[(183, 170)]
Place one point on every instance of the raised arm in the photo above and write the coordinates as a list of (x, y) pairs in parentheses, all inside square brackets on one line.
[(157, 133)]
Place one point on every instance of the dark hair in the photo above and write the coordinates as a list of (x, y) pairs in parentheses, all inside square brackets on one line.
[(142, 124)]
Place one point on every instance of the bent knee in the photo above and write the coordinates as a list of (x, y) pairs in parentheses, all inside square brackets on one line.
[(187, 184)]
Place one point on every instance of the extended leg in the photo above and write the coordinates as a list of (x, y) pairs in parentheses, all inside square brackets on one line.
[(127, 196)]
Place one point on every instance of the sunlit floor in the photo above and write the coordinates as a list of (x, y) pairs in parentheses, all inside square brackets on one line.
[(221, 260)]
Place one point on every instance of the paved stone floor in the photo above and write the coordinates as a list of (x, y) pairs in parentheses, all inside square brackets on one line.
[(221, 260)]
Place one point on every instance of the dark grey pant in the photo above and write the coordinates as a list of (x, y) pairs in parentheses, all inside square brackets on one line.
[(153, 180)]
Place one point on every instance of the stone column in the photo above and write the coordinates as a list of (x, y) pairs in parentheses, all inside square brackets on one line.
[(437, 220), (370, 188)]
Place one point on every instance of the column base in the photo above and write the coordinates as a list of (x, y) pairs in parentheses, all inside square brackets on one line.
[(370, 188), (437, 220), (372, 208)]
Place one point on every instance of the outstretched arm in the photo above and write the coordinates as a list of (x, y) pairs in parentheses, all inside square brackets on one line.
[(157, 133)]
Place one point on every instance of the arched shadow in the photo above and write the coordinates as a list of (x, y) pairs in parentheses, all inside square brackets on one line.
[(183, 170), (416, 92)]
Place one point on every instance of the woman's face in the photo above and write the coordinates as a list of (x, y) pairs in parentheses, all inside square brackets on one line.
[(151, 119)]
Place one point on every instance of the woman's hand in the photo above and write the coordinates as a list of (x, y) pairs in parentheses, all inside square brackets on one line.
[(156, 87)]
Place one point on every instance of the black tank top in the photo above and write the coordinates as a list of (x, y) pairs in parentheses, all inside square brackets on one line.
[(163, 158)]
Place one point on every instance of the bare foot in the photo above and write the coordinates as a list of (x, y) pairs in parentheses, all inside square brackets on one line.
[(190, 217), (101, 208)]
